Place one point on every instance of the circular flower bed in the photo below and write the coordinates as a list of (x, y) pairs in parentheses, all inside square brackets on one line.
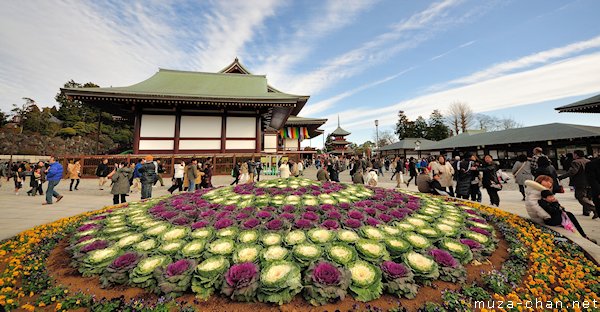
[(274, 258), (271, 241)]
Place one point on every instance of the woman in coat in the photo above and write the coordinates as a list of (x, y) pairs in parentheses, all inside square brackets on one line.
[(546, 168), (178, 173), (522, 172), (412, 170), (445, 170), (244, 173), (74, 173), (284, 170), (120, 179), (490, 179)]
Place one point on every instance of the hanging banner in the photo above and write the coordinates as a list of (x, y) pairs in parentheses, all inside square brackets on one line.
[(294, 133)]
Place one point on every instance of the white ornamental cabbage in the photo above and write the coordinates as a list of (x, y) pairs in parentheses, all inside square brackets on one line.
[(171, 247), (418, 241), (392, 231), (347, 236), (480, 238), (274, 253), (204, 233), (174, 234), (246, 253), (341, 253), (157, 230), (271, 239), (420, 263), (320, 235), (295, 237), (193, 249), (102, 255), (363, 273), (146, 245), (146, 266), (371, 233), (129, 240), (416, 222), (249, 236), (223, 246)]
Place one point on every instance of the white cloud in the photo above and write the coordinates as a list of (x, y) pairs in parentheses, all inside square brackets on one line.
[(572, 77), (464, 45)]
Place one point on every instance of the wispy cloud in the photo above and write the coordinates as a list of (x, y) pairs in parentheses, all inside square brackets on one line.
[(323, 105), (464, 45), (402, 36), (529, 61), (571, 77)]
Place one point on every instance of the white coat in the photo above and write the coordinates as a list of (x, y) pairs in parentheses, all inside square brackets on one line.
[(284, 170), (532, 195)]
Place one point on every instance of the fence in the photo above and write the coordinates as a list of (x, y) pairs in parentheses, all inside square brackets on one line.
[(222, 163)]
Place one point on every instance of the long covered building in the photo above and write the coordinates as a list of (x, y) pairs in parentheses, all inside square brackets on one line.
[(183, 112)]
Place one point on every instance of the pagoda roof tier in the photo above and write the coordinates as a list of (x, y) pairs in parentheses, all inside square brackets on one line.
[(336, 142), (340, 132)]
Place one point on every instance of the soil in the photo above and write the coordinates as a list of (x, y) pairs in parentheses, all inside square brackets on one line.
[(59, 268)]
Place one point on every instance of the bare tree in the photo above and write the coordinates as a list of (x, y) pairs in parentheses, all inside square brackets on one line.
[(386, 137), (487, 122), (508, 123), (460, 116)]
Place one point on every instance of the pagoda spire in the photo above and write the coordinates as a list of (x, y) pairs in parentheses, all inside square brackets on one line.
[(338, 120)]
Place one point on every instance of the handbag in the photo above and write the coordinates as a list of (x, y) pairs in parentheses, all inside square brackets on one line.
[(519, 171), (566, 222)]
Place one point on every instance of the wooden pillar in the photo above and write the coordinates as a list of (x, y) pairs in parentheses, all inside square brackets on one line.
[(223, 131), (177, 130), (258, 135), (136, 130)]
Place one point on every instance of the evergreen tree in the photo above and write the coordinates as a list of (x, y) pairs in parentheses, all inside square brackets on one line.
[(404, 127), (437, 128), (420, 128)]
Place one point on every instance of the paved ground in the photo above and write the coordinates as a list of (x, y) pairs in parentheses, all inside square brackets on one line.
[(22, 212)]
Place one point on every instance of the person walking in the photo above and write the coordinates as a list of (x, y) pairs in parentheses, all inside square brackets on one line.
[(538, 152), (206, 176), (159, 172), (301, 167), (102, 172), (445, 170), (120, 177), (235, 173), (398, 171), (579, 181), (521, 170), (36, 177), (178, 170), (251, 170), (147, 176), (490, 179), (18, 177), (592, 173), (284, 170), (259, 168), (54, 174), (74, 173), (136, 185), (244, 175), (191, 173), (412, 170)]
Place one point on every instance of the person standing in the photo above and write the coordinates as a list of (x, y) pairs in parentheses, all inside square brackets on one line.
[(159, 172), (244, 175), (191, 173), (322, 175), (412, 170), (259, 168), (464, 176), (445, 171), (537, 154), (136, 175), (399, 171), (592, 173), (42, 166), (579, 181), (178, 170), (54, 174), (35, 181), (522, 172), (206, 176), (251, 170), (235, 173), (301, 167), (18, 177), (147, 177), (102, 173), (120, 177), (74, 173), (284, 170), (490, 180)]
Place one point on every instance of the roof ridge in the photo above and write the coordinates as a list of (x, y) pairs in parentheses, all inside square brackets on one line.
[(209, 73)]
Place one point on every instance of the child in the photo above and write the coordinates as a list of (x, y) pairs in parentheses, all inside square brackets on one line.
[(551, 205)]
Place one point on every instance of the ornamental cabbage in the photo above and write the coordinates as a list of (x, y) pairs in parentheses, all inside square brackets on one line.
[(295, 237), (174, 234), (241, 282), (248, 236), (397, 246), (129, 240), (366, 281), (398, 280), (418, 241), (460, 251), (157, 230), (372, 250), (405, 226), (208, 276), (193, 249), (321, 236), (97, 260), (246, 253), (176, 278), (341, 253), (222, 246), (450, 268), (325, 283), (274, 253), (424, 267), (306, 253), (429, 232), (480, 238), (416, 222), (271, 239), (371, 233), (229, 232), (347, 236), (280, 282), (203, 233), (172, 247), (392, 231), (142, 275), (146, 245)]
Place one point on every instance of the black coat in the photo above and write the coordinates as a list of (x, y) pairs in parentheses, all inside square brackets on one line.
[(464, 176), (592, 172), (551, 172), (148, 173), (490, 175), (554, 210)]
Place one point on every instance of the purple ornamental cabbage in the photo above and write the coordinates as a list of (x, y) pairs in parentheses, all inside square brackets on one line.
[(480, 231), (302, 224), (373, 222), (199, 225), (385, 218), (326, 274), (177, 268), (87, 227), (287, 216), (168, 214), (99, 244), (393, 270), (98, 218), (289, 208), (353, 223), (371, 211), (471, 243), (330, 224), (309, 215), (311, 208), (223, 223), (241, 216), (222, 214), (241, 275), (125, 260), (181, 221), (470, 211), (381, 207), (84, 238), (444, 258), (230, 207), (250, 223), (334, 215), (263, 214), (274, 225), (355, 215), (478, 220), (327, 207), (207, 213)]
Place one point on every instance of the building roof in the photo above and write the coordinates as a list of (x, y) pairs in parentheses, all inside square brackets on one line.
[(340, 132), (407, 143), (540, 133), (301, 121), (589, 105)]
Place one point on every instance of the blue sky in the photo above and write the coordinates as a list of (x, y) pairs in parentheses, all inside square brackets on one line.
[(359, 59)]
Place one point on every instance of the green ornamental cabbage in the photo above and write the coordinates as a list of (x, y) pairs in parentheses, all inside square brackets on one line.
[(372, 250), (417, 241), (274, 253), (271, 239), (204, 233), (371, 233), (146, 245), (397, 246), (248, 236), (174, 234), (424, 267), (321, 236), (171, 247), (229, 232), (295, 237), (222, 246), (366, 281), (142, 275), (193, 249), (280, 282), (97, 260), (458, 250), (129, 240), (246, 253), (341, 253), (208, 276), (306, 253), (347, 236)]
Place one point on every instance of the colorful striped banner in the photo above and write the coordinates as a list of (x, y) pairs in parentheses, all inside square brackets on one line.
[(294, 133)]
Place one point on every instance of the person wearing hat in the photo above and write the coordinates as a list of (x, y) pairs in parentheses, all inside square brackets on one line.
[(550, 204), (147, 176)]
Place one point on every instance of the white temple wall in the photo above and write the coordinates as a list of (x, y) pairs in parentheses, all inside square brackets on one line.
[(157, 126), (200, 127)]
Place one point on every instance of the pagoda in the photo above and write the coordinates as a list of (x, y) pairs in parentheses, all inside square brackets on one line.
[(339, 143)]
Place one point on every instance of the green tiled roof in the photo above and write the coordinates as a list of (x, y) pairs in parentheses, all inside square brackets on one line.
[(295, 120), (407, 143), (198, 84), (540, 133), (589, 105)]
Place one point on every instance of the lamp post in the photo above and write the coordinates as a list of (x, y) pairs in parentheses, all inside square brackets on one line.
[(377, 136)]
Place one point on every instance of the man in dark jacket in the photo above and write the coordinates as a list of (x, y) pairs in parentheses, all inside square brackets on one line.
[(102, 173), (592, 173), (464, 176), (147, 176), (579, 181), (54, 174)]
